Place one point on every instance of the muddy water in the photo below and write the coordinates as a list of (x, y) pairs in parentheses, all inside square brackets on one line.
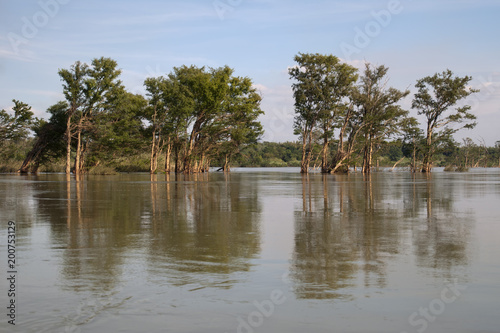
[(259, 250)]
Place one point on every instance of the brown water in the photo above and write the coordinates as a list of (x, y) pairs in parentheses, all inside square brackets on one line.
[(259, 250)]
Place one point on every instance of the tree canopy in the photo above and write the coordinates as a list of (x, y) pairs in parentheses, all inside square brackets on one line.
[(436, 95)]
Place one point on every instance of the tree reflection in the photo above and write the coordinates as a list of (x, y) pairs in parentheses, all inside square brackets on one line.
[(203, 225), (350, 226), (185, 226), (441, 239), (204, 229)]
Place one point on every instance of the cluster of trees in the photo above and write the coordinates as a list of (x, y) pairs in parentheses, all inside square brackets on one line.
[(193, 115), (472, 155), (331, 96), (196, 115)]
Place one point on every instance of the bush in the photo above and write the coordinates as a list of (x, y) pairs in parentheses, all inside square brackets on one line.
[(9, 166), (102, 170)]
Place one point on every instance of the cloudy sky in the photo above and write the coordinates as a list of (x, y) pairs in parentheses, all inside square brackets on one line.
[(258, 38)]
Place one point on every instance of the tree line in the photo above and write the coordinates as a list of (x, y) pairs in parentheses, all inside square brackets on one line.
[(451, 154), (197, 117)]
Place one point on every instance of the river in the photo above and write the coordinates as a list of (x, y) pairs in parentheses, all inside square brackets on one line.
[(256, 250)]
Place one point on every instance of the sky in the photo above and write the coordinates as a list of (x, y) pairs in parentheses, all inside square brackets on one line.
[(258, 39)]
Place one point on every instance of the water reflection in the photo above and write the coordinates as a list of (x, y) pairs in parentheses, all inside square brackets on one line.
[(201, 228), (350, 227), (204, 230), (182, 227), (441, 239)]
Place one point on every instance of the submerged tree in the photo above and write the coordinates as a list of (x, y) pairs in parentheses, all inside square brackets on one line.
[(436, 95), (241, 126), (50, 139), (156, 115), (73, 89), (322, 85), (352, 125), (380, 115), (412, 141), (87, 90), (198, 113)]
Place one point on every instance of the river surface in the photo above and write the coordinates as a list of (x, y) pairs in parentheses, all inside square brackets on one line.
[(257, 250)]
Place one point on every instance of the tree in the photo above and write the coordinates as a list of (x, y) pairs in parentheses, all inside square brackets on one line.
[(16, 127), (88, 90), (435, 96), (352, 125), (412, 141), (155, 114), (322, 84), (50, 139), (209, 90), (381, 116), (241, 126), (73, 89), (497, 146)]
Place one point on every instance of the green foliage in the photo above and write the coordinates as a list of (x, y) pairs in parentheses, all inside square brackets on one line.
[(200, 117), (17, 126), (268, 154), (119, 130), (201, 114), (436, 95), (380, 115), (89, 91), (102, 170), (321, 89)]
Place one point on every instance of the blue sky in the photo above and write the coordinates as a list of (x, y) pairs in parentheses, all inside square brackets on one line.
[(258, 38)]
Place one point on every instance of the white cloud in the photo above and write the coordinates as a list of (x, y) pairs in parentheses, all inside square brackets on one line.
[(359, 64), (260, 87)]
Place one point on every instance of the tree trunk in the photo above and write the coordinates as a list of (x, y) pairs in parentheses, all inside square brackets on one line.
[(427, 164), (168, 153), (78, 150), (81, 161), (226, 167), (344, 153), (32, 160), (206, 165), (188, 159), (68, 145), (152, 166), (201, 164), (324, 157), (338, 163), (306, 151), (413, 166), (367, 158), (177, 167), (155, 142), (304, 167), (155, 151)]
